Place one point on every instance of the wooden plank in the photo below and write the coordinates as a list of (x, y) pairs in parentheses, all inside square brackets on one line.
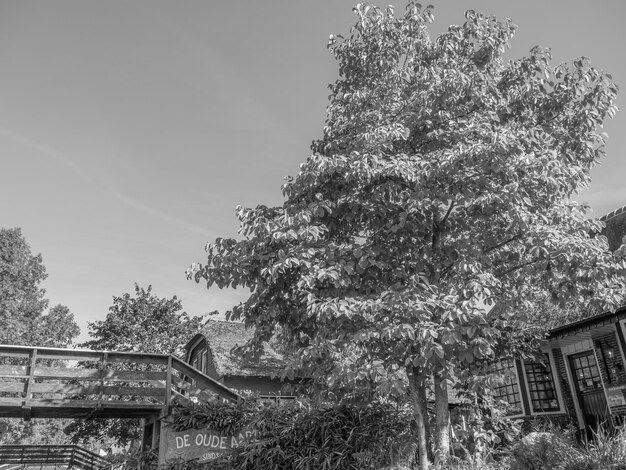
[(66, 388), (136, 375), (13, 387), (82, 357), (137, 358), (94, 389), (13, 371), (168, 382), (204, 381), (67, 373), (11, 352), (29, 386), (92, 404), (102, 373), (193, 390), (157, 392), (8, 350), (6, 401)]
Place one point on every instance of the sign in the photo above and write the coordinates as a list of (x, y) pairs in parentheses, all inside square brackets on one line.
[(615, 397), (201, 444)]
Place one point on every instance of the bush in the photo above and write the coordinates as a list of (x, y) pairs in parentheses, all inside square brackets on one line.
[(544, 451), (558, 450), (607, 451), (301, 436)]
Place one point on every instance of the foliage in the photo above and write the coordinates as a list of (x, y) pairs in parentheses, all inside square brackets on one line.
[(606, 451), (140, 323), (483, 430), (143, 323), (442, 185), (24, 321), (21, 298), (134, 458), (57, 328), (298, 435), (221, 416)]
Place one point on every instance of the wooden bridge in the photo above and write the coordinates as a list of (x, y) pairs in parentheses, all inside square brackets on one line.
[(39, 382)]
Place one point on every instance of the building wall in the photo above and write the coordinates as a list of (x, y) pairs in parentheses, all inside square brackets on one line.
[(566, 390), (260, 385), (611, 365)]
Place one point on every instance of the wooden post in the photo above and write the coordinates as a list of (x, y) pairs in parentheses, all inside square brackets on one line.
[(168, 385), (104, 362), (29, 385)]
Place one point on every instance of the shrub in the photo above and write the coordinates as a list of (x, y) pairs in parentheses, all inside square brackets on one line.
[(545, 451), (607, 451), (302, 436)]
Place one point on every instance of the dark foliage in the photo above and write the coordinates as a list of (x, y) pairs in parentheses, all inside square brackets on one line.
[(298, 435)]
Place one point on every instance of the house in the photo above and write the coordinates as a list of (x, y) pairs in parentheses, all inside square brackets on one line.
[(582, 378), (211, 351)]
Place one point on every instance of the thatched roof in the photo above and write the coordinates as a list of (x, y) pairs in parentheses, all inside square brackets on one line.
[(223, 336), (615, 227)]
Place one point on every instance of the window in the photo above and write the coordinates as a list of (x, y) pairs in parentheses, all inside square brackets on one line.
[(197, 358), (508, 390), (586, 371), (543, 397)]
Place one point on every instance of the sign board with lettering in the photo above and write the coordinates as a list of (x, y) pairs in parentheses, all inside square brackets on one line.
[(202, 445)]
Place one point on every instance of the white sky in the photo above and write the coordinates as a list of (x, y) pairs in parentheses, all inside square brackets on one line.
[(129, 130)]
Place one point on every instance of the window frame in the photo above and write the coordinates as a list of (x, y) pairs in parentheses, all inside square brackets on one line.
[(513, 365), (557, 388)]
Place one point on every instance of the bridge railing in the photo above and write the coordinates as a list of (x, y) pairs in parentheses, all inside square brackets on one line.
[(35, 377), (27, 456)]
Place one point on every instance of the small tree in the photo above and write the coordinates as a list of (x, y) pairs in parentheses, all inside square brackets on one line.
[(442, 186), (23, 321), (22, 299), (139, 323)]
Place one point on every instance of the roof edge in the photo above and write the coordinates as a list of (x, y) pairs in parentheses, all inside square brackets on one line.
[(620, 312), (613, 214)]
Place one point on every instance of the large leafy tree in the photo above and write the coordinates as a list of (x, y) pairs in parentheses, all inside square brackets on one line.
[(142, 322), (442, 185)]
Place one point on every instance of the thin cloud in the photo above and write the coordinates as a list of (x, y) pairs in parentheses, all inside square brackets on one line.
[(140, 206), (46, 151)]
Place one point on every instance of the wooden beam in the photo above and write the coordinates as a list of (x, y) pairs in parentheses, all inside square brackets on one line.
[(205, 381), (168, 383), (7, 371), (29, 386), (67, 373)]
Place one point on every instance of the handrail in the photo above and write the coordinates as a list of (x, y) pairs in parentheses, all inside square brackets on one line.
[(35, 380), (204, 380), (51, 454)]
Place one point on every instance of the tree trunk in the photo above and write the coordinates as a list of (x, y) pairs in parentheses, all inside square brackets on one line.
[(442, 422), (417, 387)]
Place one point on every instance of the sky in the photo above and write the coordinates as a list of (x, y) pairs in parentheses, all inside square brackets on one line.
[(130, 130)]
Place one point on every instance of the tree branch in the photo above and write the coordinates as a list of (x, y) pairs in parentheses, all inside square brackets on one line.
[(501, 244), (445, 218), (515, 268)]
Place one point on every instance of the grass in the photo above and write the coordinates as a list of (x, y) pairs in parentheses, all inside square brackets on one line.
[(554, 450)]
